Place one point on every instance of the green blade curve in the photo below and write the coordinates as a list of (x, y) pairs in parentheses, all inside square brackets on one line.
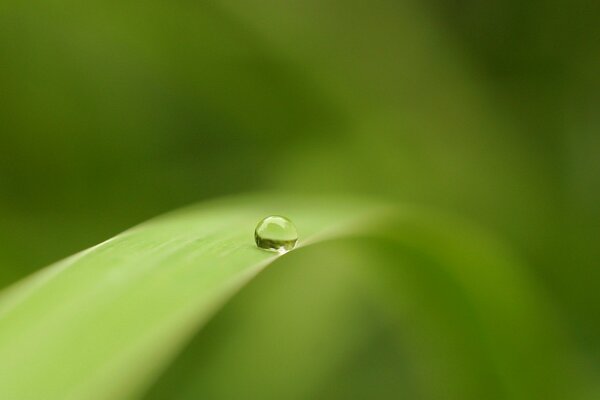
[(103, 323)]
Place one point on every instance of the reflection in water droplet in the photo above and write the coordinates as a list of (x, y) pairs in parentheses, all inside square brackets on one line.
[(276, 233)]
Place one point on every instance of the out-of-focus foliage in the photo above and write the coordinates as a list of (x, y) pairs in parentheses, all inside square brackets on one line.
[(111, 112), (417, 311)]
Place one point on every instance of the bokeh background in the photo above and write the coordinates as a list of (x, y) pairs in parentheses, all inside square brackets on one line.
[(112, 112)]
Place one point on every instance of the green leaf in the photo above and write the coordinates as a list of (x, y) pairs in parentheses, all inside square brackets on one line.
[(102, 323), (107, 322)]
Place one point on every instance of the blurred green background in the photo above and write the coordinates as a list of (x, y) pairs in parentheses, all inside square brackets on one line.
[(114, 111)]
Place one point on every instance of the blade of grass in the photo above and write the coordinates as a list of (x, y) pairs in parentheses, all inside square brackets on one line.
[(100, 324), (105, 323)]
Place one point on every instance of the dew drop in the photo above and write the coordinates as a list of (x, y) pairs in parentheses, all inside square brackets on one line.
[(276, 233)]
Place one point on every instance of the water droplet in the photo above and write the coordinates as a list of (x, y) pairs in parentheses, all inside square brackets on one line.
[(276, 233)]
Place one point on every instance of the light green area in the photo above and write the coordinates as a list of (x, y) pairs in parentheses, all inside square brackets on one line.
[(102, 323), (106, 322)]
